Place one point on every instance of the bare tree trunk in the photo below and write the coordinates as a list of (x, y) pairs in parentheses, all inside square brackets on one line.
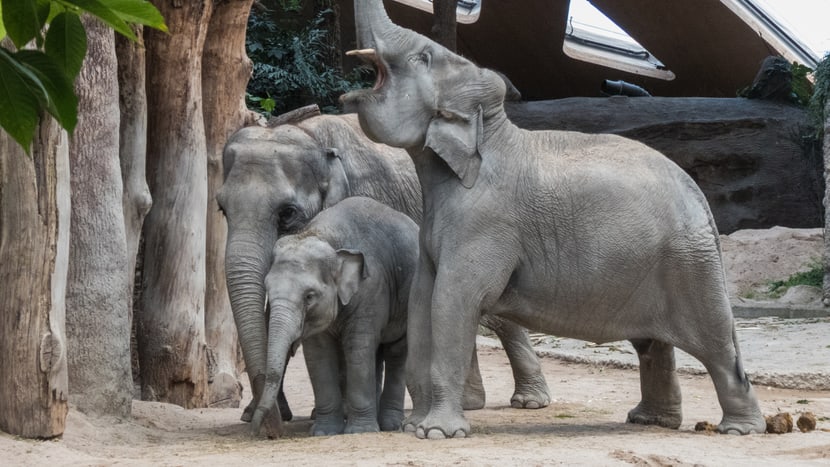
[(225, 73), (133, 150), (444, 23), (97, 299), (34, 254), (171, 323)]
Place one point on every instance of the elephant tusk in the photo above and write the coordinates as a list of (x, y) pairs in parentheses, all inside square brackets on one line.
[(362, 52)]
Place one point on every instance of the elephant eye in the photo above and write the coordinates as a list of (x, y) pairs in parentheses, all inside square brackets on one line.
[(310, 295), (287, 213)]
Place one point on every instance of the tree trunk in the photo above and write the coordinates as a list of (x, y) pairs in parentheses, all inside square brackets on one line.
[(97, 299), (225, 73), (133, 150), (34, 253), (171, 322), (444, 23)]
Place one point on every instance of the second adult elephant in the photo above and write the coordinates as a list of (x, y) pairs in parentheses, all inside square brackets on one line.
[(277, 180)]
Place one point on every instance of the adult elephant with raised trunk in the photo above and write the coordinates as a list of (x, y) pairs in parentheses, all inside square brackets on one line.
[(276, 181), (595, 237)]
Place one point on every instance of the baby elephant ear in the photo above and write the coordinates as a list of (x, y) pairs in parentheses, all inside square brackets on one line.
[(336, 186), (456, 140), (350, 273)]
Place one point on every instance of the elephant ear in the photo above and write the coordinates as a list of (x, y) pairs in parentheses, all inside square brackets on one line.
[(336, 187), (350, 273), (456, 140)]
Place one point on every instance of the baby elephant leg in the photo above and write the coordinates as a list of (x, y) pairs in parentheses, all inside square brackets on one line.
[(390, 407), (659, 386)]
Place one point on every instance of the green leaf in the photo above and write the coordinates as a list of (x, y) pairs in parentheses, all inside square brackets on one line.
[(66, 43), (2, 27), (138, 12), (62, 102), (19, 106), (268, 104), (24, 19), (105, 14)]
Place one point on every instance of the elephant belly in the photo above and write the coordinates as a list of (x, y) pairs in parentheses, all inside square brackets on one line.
[(602, 311)]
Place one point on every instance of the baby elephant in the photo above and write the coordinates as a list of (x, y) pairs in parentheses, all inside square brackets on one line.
[(341, 286)]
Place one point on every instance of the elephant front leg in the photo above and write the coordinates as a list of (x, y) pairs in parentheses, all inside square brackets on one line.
[(531, 390), (322, 361), (419, 343), (659, 386), (456, 306), (360, 351)]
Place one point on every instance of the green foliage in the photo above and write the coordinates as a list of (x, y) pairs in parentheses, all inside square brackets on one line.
[(292, 62), (33, 80), (814, 277), (821, 94), (802, 88)]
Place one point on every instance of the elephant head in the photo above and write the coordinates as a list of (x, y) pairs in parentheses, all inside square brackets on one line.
[(424, 94), (276, 180), (308, 283)]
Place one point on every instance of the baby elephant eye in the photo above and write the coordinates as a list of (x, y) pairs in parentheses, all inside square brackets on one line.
[(310, 296), (288, 212)]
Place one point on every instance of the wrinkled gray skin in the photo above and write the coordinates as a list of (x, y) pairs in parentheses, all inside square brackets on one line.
[(276, 180), (594, 237), (342, 287)]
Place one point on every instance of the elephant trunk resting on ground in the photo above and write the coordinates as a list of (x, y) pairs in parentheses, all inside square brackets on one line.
[(595, 237), (277, 180)]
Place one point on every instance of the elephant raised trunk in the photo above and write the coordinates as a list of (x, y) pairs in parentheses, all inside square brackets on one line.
[(373, 25), (284, 333)]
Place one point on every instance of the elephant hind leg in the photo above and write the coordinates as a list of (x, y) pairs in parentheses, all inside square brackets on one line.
[(531, 390), (659, 386), (391, 401), (741, 413), (474, 395)]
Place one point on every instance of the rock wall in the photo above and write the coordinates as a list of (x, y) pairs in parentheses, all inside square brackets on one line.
[(748, 156)]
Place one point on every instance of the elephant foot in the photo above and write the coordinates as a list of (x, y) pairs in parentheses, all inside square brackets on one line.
[(361, 427), (473, 400), (410, 424), (742, 426), (390, 420), (442, 426), (324, 428), (248, 412), (668, 418), (531, 394)]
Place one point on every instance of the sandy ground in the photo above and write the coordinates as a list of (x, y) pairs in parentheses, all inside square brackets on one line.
[(584, 425)]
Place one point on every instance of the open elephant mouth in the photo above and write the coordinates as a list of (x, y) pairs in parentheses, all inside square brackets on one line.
[(370, 57)]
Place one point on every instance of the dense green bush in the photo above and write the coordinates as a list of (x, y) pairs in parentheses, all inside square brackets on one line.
[(293, 61)]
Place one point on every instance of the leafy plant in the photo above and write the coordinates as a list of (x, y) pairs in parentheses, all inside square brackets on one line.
[(802, 88), (813, 277), (821, 94), (38, 72), (292, 63)]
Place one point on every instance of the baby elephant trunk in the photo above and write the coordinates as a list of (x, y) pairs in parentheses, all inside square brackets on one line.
[(282, 335)]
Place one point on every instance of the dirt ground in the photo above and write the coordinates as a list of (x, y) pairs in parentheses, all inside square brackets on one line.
[(584, 425)]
